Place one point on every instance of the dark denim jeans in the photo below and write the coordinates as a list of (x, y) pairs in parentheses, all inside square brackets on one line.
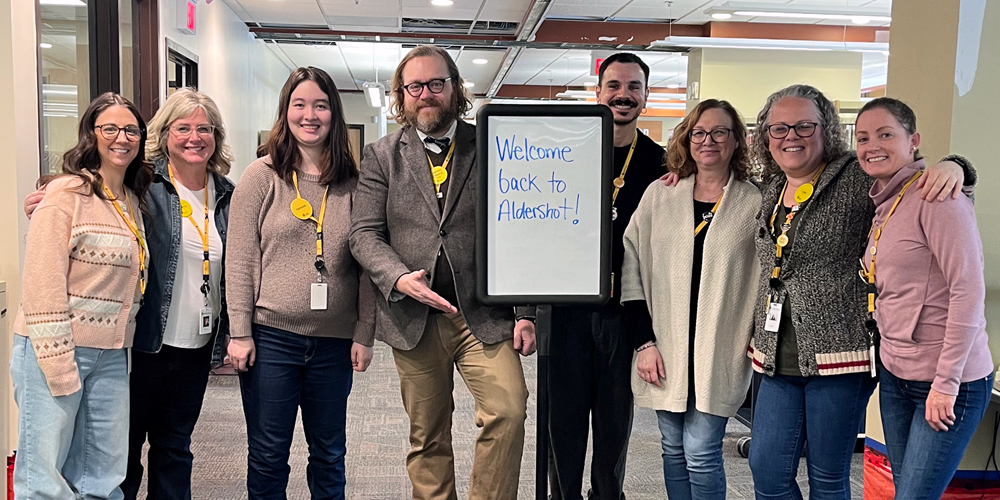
[(924, 460), (167, 389), (293, 371), (825, 411)]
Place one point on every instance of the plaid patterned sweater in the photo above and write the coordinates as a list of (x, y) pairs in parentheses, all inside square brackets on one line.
[(81, 273)]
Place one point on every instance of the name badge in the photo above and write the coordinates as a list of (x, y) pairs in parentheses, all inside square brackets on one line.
[(205, 327), (317, 301), (773, 318)]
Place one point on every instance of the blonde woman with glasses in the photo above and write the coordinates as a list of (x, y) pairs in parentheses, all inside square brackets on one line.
[(183, 322)]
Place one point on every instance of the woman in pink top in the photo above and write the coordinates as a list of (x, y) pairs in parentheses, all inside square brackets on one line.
[(925, 266)]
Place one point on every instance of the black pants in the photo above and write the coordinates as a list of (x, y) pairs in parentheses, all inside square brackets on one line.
[(167, 389), (589, 381)]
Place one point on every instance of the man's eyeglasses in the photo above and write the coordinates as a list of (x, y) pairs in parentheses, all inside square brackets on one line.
[(186, 130), (110, 132), (436, 86), (718, 135), (802, 129)]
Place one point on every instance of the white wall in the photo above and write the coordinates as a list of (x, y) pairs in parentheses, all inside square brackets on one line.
[(240, 73), (358, 111)]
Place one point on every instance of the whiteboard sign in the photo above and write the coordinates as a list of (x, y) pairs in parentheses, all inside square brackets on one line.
[(544, 228)]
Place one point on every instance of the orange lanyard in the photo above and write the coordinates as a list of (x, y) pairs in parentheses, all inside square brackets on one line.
[(440, 173), (133, 226), (302, 210), (186, 212), (802, 194), (705, 217)]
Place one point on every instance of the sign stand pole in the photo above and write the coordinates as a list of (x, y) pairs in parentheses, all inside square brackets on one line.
[(543, 332)]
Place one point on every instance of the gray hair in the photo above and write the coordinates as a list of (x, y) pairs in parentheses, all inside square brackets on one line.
[(834, 138)]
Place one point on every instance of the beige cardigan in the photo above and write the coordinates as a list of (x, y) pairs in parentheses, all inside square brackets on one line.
[(80, 286), (657, 268)]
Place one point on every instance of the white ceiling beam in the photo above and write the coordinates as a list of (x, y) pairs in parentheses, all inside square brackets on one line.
[(472, 26)]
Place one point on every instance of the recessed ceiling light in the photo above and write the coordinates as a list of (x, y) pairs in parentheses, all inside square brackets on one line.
[(721, 15), (442, 3), (469, 85), (63, 3), (45, 45), (479, 61)]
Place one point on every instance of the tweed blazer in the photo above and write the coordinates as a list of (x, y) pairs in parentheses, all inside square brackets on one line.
[(819, 272), (397, 227)]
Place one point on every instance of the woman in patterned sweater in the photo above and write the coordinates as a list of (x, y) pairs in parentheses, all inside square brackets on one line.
[(84, 271)]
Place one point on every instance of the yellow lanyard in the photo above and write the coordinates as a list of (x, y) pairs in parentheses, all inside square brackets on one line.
[(186, 212), (440, 173), (302, 210), (705, 217), (619, 181), (875, 234), (134, 227), (802, 195)]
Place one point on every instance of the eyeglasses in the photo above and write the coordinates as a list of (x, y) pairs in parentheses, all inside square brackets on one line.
[(718, 135), (802, 129), (436, 86), (186, 130), (110, 132)]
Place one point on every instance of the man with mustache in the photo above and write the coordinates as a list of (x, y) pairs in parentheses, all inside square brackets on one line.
[(413, 229), (591, 360)]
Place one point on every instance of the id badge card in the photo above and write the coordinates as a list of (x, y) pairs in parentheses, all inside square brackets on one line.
[(205, 326), (317, 296), (773, 318)]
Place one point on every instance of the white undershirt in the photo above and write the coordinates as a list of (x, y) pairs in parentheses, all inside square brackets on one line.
[(187, 301)]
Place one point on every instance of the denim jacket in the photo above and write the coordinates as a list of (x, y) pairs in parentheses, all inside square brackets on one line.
[(163, 235)]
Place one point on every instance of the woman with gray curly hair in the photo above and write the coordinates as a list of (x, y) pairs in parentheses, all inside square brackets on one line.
[(182, 324), (810, 338)]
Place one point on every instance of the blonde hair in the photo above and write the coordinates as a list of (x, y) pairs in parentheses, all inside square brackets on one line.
[(182, 104), (460, 95)]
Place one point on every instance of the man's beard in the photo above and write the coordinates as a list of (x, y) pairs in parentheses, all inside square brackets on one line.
[(433, 122)]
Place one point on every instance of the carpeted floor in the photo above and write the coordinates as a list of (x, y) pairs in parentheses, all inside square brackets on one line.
[(377, 430)]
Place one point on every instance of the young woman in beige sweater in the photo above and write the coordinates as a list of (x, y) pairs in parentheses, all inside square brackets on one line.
[(84, 272)]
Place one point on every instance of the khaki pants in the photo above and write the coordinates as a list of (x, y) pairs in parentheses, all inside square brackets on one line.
[(494, 377)]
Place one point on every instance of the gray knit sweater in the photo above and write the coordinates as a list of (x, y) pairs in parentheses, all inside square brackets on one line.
[(819, 272)]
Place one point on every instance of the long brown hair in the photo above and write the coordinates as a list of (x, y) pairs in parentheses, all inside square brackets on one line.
[(84, 159), (283, 148), (679, 159), (459, 94)]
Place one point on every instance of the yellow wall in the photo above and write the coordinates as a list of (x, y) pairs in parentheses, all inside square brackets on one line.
[(746, 77)]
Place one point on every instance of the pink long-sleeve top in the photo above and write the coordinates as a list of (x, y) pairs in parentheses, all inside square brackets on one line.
[(931, 288)]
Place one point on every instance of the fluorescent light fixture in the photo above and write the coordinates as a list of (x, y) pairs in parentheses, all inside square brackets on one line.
[(469, 85), (768, 44), (673, 86), (784, 11), (442, 3), (376, 94), (721, 15), (589, 84), (45, 45), (479, 61), (63, 3)]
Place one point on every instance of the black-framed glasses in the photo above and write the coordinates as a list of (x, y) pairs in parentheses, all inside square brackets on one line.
[(719, 135), (186, 130), (802, 129), (110, 132), (436, 86)]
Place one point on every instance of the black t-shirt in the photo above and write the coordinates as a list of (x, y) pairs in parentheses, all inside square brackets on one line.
[(645, 167), (787, 356), (442, 283)]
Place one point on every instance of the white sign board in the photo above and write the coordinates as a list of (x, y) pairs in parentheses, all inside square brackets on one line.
[(544, 179)]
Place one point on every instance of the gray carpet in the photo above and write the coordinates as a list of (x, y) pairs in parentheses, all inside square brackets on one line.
[(377, 430)]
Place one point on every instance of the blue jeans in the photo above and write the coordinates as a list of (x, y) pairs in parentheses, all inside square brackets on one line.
[(293, 371), (71, 446), (692, 453), (826, 411), (924, 460)]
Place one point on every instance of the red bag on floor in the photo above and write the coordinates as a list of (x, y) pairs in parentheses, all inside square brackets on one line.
[(10, 476), (878, 482)]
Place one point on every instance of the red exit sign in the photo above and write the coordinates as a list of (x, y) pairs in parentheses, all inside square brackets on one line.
[(597, 65), (187, 16)]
